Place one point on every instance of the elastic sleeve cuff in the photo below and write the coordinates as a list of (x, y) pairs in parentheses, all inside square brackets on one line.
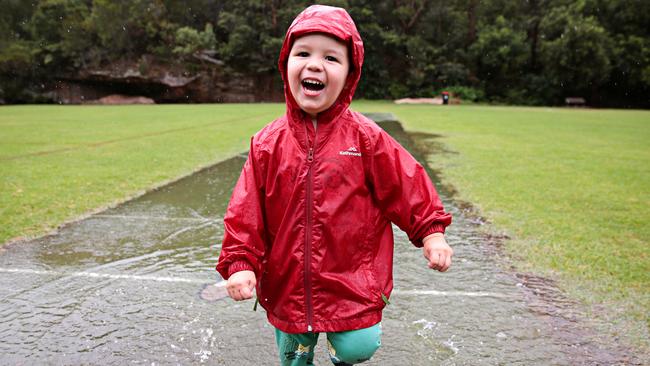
[(238, 267), (436, 227)]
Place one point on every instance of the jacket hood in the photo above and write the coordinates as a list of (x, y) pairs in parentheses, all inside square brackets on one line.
[(335, 22)]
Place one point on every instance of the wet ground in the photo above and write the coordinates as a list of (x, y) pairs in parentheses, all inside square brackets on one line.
[(124, 287)]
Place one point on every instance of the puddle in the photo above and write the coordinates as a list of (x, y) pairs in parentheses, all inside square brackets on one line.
[(132, 284)]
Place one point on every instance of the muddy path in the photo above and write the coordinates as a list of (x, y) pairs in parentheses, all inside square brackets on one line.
[(124, 286)]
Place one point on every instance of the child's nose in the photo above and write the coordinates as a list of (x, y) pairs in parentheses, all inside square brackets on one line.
[(314, 65)]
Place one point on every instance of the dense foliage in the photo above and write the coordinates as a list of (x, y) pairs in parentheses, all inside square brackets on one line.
[(508, 51)]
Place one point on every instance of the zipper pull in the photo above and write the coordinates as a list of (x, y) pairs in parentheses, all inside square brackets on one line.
[(310, 156)]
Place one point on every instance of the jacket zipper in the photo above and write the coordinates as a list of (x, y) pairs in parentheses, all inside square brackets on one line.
[(308, 231)]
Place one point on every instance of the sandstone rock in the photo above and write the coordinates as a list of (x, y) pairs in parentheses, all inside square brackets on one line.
[(123, 99), (165, 83)]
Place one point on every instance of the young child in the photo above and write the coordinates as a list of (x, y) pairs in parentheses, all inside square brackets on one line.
[(309, 222)]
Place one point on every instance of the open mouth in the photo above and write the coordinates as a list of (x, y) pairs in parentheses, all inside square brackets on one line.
[(313, 85)]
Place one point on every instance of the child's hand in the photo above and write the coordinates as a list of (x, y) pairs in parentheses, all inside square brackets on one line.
[(437, 252), (241, 285)]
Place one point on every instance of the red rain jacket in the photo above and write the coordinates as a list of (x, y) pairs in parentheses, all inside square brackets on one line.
[(311, 213)]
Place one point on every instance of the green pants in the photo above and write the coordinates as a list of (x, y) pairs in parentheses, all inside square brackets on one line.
[(345, 348)]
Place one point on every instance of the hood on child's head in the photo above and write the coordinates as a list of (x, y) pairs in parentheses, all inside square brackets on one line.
[(335, 22)]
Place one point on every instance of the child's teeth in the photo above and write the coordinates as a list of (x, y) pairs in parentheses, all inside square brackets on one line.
[(313, 85)]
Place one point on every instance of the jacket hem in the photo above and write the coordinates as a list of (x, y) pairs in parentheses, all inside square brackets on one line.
[(320, 326)]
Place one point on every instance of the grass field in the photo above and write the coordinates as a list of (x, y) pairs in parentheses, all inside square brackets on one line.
[(570, 187), (59, 162)]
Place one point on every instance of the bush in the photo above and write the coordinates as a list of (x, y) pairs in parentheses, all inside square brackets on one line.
[(467, 93)]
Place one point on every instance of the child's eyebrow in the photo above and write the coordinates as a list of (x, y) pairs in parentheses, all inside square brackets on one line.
[(333, 50), (308, 47)]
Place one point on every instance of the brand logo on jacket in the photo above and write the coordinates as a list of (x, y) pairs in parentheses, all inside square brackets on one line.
[(351, 151)]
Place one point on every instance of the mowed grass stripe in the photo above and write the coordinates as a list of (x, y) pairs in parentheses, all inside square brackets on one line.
[(56, 128), (136, 137), (40, 192)]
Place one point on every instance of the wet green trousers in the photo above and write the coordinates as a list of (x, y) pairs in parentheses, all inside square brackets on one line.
[(345, 348)]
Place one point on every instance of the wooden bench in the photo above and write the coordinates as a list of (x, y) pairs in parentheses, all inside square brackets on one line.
[(575, 102)]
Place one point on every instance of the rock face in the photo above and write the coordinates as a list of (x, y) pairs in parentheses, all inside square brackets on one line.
[(163, 83)]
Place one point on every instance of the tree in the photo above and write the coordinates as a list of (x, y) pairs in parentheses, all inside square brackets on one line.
[(254, 33), (576, 52), (129, 28), (537, 51), (190, 41), (500, 54), (61, 30)]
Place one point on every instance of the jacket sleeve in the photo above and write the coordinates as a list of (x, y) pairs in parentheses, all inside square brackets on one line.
[(243, 242), (404, 191)]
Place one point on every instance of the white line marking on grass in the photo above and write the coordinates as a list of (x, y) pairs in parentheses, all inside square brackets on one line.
[(222, 283)]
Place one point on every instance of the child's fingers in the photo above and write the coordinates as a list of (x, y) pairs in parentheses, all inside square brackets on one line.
[(246, 292), (433, 260), (236, 292), (446, 264), (441, 262), (233, 294)]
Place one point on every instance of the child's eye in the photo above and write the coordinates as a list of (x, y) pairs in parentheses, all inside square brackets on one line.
[(302, 54), (331, 58)]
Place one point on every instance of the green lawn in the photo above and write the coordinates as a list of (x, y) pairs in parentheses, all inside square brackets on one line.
[(570, 187), (59, 162)]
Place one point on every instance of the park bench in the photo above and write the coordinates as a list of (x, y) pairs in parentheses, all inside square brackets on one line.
[(575, 102)]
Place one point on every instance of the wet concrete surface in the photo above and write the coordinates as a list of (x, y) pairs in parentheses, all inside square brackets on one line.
[(123, 287)]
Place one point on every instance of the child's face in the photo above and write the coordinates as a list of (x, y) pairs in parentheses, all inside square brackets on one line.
[(316, 70)]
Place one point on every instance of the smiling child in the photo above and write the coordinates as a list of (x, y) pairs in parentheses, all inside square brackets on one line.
[(308, 227)]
